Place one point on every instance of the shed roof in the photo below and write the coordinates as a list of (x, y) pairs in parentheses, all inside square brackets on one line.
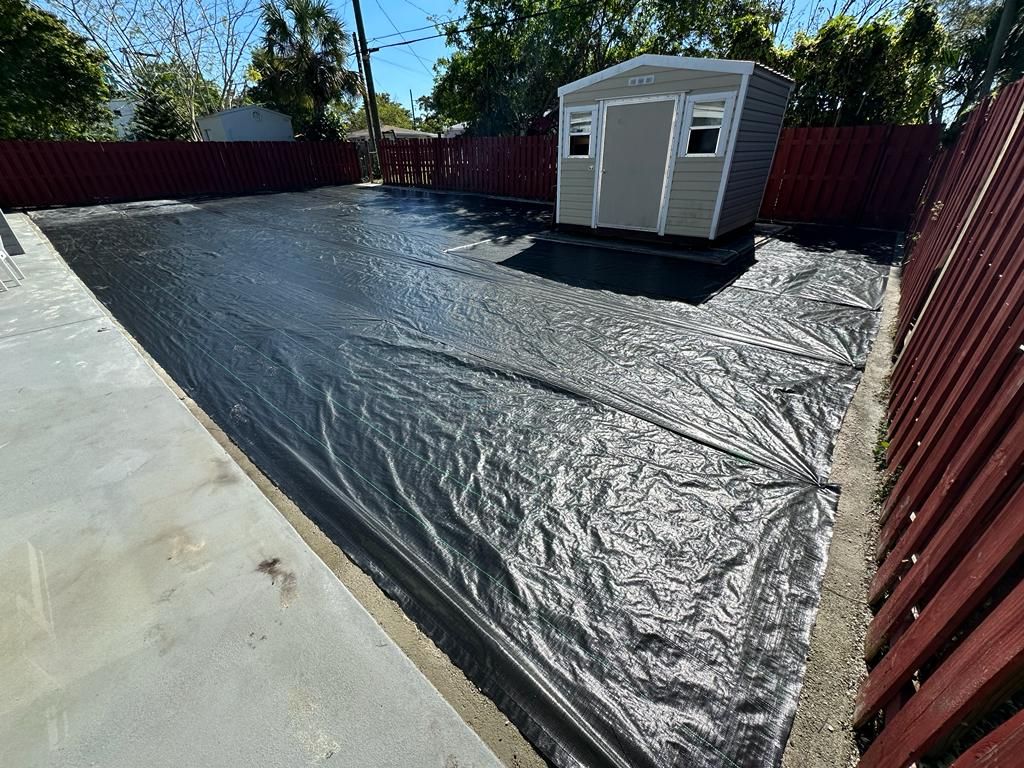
[(672, 62), (400, 133), (245, 108)]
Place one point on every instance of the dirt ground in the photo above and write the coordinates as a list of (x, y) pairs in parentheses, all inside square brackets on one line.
[(822, 732)]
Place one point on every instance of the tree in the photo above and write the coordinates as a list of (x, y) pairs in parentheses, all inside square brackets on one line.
[(882, 71), (300, 67), (164, 111), (511, 55), (389, 112), (210, 39), (428, 120), (972, 26), (52, 84)]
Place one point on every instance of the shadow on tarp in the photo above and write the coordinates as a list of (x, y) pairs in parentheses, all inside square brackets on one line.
[(612, 512), (631, 274)]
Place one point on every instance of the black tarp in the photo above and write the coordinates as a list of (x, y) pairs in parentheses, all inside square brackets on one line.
[(598, 480)]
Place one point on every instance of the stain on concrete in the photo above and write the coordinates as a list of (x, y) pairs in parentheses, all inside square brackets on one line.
[(284, 579), (158, 635), (185, 550), (225, 472)]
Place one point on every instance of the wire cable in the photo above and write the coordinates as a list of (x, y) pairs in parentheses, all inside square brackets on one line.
[(392, 23), (474, 27)]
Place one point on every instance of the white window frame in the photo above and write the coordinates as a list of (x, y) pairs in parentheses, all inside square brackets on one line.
[(593, 110), (724, 133)]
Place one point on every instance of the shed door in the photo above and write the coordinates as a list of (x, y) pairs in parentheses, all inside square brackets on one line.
[(634, 159)]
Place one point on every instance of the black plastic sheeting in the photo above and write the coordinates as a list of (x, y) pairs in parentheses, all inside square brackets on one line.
[(598, 480)]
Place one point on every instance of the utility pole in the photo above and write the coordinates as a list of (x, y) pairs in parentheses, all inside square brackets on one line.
[(366, 107), (412, 107), (371, 96), (1006, 21)]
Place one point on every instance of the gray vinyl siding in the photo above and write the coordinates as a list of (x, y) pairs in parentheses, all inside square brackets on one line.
[(760, 121), (665, 81), (695, 180), (691, 203), (692, 200), (576, 191)]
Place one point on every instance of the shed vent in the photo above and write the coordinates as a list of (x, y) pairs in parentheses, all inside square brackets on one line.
[(642, 80)]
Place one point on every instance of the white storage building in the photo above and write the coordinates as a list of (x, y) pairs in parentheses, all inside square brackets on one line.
[(246, 124), (668, 145)]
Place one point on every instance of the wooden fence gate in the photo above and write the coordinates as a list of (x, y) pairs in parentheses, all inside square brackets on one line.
[(510, 166)]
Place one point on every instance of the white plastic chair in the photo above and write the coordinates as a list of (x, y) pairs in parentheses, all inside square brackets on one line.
[(12, 268), (9, 240)]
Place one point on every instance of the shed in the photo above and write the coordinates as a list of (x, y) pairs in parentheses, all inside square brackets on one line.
[(391, 132), (668, 145), (246, 124)]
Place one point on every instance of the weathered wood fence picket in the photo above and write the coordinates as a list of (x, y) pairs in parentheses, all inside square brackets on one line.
[(947, 643)]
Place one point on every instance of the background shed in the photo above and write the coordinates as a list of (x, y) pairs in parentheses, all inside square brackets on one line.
[(669, 145), (246, 124)]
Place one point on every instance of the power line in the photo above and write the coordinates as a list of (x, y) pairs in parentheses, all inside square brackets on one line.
[(474, 27), (395, 26), (396, 64), (418, 29), (424, 11)]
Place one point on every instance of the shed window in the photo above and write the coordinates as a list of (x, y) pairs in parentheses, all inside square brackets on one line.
[(706, 132), (580, 132)]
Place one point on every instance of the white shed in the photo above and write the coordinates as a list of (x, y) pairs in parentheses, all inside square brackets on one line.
[(246, 124), (668, 145)]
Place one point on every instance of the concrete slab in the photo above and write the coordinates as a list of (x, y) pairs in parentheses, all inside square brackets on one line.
[(155, 609)]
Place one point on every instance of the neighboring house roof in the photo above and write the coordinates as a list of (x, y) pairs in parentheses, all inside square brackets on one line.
[(399, 133), (247, 108), (672, 62)]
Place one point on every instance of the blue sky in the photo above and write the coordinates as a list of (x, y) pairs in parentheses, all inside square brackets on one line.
[(396, 70)]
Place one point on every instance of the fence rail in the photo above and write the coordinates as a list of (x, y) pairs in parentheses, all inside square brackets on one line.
[(38, 173), (947, 643)]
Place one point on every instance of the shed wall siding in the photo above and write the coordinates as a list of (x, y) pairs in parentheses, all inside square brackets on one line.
[(695, 180), (665, 81), (576, 191), (691, 204), (763, 110)]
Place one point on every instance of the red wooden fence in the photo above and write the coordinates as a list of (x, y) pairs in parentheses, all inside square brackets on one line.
[(869, 175), (512, 166), (38, 173), (947, 643)]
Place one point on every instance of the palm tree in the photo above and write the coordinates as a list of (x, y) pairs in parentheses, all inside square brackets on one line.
[(300, 69)]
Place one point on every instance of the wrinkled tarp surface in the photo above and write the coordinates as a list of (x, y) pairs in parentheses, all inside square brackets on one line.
[(598, 480)]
